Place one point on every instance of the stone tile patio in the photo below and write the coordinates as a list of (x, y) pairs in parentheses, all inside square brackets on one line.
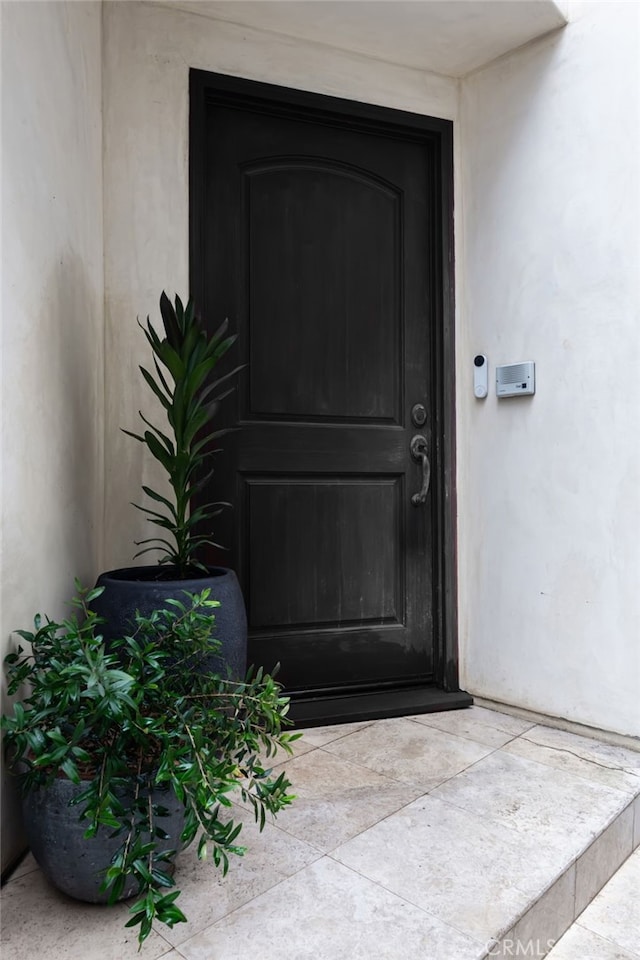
[(451, 836)]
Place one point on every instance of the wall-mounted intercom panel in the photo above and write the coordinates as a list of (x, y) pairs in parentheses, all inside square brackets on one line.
[(516, 379)]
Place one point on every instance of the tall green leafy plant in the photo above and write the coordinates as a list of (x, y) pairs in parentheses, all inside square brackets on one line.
[(184, 360)]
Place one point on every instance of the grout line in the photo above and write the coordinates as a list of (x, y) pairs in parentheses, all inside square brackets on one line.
[(579, 776), (341, 736), (288, 758), (364, 766), (490, 751), (386, 816), (240, 906), (509, 934), (275, 824), (18, 873), (609, 737), (170, 945), (574, 863), (512, 830), (292, 836), (467, 736), (428, 913), (602, 936), (413, 783), (582, 775), (579, 756)]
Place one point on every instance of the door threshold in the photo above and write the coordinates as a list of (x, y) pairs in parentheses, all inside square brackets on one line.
[(350, 707)]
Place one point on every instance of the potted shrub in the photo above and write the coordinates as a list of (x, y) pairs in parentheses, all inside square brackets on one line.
[(128, 754), (185, 358)]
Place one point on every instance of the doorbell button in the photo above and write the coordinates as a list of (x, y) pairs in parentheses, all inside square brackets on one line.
[(480, 376)]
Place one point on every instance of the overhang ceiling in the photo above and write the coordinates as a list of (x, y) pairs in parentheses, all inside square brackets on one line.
[(450, 37)]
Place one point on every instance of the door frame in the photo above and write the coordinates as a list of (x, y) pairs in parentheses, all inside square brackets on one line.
[(206, 88)]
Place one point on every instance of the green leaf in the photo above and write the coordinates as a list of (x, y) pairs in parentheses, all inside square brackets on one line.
[(93, 594), (157, 449), (166, 403), (220, 380), (154, 513), (136, 436), (151, 335), (170, 553), (224, 346), (170, 914), (71, 770), (219, 334), (171, 359), (170, 321), (163, 879), (161, 436), (141, 868), (136, 919), (159, 498), (201, 444)]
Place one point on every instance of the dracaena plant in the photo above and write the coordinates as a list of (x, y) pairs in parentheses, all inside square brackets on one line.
[(184, 360), (137, 715)]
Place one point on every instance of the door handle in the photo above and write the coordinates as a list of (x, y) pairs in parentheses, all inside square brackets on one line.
[(418, 450)]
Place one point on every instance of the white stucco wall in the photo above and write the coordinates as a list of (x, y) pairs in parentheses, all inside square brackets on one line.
[(52, 318), (148, 53), (549, 487)]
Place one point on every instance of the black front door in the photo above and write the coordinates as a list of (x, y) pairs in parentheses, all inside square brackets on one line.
[(319, 232)]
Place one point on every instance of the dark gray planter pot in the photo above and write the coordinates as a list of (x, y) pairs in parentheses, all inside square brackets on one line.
[(72, 863), (148, 588)]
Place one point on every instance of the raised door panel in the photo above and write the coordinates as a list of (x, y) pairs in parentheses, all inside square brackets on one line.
[(324, 305), (336, 567)]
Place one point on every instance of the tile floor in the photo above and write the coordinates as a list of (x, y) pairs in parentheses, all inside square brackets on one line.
[(451, 836)]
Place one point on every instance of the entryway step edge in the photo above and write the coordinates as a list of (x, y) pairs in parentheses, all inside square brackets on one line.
[(552, 913)]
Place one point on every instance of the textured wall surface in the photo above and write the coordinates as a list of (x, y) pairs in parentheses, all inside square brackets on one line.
[(549, 486), (52, 323)]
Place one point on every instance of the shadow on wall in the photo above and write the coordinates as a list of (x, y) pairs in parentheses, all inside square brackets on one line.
[(529, 75), (52, 464), (66, 368), (80, 345)]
